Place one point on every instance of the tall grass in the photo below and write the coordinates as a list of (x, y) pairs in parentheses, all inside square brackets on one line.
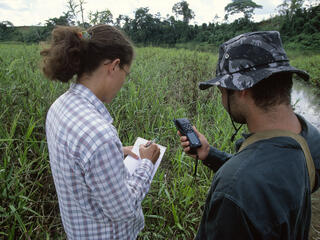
[(310, 62), (162, 86), (28, 202)]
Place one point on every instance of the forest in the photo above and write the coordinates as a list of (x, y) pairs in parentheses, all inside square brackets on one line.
[(297, 21)]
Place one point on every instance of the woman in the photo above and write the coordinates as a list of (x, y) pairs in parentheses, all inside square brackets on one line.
[(98, 199)]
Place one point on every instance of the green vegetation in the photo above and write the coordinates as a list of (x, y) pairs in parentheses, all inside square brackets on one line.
[(162, 86), (298, 23), (309, 62), (241, 6)]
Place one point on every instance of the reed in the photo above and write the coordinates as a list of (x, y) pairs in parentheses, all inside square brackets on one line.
[(162, 86)]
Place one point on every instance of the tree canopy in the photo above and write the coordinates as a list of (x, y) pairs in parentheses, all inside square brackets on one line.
[(241, 6), (101, 17), (298, 24), (182, 8)]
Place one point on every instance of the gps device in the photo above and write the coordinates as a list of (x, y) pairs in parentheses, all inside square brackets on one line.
[(185, 128)]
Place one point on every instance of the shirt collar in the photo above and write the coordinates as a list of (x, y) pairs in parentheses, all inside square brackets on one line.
[(86, 93)]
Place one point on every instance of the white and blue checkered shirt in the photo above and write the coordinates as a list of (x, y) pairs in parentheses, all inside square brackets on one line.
[(98, 199)]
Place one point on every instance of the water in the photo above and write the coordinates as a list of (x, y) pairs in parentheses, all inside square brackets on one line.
[(306, 102)]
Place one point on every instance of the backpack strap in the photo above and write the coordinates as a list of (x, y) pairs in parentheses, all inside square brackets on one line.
[(281, 133)]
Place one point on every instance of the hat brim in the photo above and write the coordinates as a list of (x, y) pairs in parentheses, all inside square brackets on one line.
[(244, 80)]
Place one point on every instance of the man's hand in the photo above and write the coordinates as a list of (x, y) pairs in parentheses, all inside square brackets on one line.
[(203, 151), (151, 152), (128, 151)]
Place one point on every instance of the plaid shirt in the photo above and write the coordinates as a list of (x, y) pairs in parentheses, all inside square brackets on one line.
[(98, 199)]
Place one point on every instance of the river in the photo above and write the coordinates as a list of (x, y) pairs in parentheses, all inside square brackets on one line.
[(306, 102)]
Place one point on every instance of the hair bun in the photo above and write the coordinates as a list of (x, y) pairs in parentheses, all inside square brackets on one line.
[(75, 52), (63, 59)]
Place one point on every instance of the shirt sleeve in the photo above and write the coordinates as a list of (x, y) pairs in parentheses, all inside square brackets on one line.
[(225, 220), (118, 194), (216, 159)]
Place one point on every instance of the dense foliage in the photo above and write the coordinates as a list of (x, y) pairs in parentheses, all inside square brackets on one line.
[(299, 26), (303, 27), (241, 6)]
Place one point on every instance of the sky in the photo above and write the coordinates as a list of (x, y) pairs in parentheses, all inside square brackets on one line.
[(35, 12)]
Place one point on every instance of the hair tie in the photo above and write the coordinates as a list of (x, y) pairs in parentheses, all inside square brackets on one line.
[(84, 35)]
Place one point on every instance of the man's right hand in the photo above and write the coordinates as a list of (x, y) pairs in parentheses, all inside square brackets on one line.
[(203, 151), (151, 152)]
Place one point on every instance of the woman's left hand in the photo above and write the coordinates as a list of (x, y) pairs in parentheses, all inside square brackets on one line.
[(128, 151)]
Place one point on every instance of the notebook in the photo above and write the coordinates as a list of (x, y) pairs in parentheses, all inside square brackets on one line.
[(132, 163)]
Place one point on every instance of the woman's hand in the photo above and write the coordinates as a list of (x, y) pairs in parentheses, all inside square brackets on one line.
[(128, 151), (151, 152)]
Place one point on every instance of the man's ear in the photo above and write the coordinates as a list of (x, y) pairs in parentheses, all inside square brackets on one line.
[(244, 93)]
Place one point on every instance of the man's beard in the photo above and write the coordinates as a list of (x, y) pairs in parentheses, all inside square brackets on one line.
[(236, 114)]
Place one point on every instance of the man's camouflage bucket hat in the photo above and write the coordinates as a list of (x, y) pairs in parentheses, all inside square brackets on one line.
[(249, 58)]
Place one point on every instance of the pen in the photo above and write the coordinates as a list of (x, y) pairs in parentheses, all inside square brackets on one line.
[(149, 143)]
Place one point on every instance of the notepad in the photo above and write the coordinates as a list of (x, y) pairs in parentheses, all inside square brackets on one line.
[(132, 163)]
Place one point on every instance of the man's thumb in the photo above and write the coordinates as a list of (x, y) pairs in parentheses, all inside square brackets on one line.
[(196, 131)]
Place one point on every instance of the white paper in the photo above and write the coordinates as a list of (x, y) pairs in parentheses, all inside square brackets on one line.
[(132, 163)]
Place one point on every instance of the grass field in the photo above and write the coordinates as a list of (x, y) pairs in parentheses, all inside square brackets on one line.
[(162, 86)]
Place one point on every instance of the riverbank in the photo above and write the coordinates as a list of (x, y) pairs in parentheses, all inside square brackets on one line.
[(315, 217), (310, 62), (307, 103)]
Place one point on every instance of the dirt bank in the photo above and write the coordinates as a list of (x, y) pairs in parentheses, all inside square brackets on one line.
[(315, 221)]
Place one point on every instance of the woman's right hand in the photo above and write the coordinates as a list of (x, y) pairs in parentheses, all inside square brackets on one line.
[(151, 152), (203, 151)]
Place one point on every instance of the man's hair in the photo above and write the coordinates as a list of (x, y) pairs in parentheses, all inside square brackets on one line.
[(273, 91)]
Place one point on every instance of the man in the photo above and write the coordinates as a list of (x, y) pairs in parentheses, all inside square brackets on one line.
[(262, 191)]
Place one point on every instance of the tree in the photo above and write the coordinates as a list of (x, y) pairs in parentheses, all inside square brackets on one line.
[(283, 8), (81, 3), (125, 22), (101, 17), (119, 20), (7, 23), (216, 19), (290, 7), (313, 3), (64, 20), (241, 6), (182, 8), (142, 25), (74, 9), (295, 5), (6, 28)]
